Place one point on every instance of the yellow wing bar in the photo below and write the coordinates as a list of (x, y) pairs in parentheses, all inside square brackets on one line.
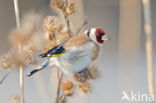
[(55, 55)]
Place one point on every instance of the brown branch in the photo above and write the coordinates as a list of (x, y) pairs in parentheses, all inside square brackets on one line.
[(60, 77)]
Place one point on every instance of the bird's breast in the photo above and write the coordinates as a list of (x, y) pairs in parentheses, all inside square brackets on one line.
[(77, 58)]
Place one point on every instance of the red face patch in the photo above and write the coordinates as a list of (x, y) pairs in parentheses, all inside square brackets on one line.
[(99, 33), (99, 40)]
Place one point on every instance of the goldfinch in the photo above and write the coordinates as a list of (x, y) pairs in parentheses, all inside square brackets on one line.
[(76, 54)]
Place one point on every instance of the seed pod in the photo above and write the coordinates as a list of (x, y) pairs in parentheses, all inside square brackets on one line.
[(67, 87), (69, 9), (85, 87), (57, 4)]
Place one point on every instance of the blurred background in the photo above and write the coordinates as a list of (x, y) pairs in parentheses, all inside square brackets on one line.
[(122, 60)]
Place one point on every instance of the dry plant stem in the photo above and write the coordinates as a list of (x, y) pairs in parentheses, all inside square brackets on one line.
[(85, 22), (17, 13), (5, 76), (19, 50), (67, 23), (62, 99), (59, 86), (58, 73), (149, 55), (21, 79)]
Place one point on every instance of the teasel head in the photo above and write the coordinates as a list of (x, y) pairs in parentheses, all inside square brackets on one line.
[(15, 99), (30, 38), (67, 87), (69, 9), (85, 87), (30, 28), (94, 72), (50, 26), (57, 4), (6, 61)]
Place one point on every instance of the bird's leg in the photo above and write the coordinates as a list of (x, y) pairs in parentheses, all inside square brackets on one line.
[(42, 66)]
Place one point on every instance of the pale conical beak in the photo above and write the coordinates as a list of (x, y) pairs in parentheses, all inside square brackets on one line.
[(106, 37)]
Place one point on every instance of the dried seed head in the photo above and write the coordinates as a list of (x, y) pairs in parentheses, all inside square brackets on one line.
[(57, 4), (50, 23), (30, 28), (19, 37), (85, 87), (28, 53), (79, 77), (94, 72), (68, 92), (15, 99), (50, 26), (67, 87), (82, 76), (29, 58), (69, 9), (5, 61), (31, 24), (19, 59), (37, 42)]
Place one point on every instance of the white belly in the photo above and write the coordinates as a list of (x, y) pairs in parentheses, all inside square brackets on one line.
[(74, 61)]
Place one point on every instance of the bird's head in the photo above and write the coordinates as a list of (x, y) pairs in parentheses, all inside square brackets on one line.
[(97, 35)]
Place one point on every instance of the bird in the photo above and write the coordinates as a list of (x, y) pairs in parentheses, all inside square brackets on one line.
[(76, 54)]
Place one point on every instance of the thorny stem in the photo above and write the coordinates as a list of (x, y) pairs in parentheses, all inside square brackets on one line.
[(59, 85), (19, 50)]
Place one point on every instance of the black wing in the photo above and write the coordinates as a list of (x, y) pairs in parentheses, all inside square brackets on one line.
[(59, 49)]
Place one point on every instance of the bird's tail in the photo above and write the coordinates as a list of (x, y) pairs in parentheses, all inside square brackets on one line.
[(43, 55), (39, 68)]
